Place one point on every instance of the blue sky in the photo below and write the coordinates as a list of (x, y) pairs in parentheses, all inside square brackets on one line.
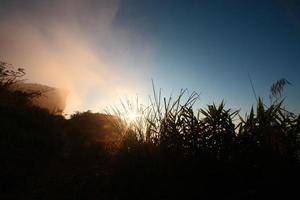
[(104, 50), (211, 46)]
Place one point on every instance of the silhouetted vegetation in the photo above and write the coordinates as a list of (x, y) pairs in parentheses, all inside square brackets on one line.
[(169, 151)]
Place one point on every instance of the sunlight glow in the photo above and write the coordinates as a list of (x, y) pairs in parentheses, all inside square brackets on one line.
[(131, 116)]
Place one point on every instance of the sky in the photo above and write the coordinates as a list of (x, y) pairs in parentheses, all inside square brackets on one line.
[(103, 51)]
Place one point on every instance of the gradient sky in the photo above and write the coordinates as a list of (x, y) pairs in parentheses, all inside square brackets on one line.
[(105, 50)]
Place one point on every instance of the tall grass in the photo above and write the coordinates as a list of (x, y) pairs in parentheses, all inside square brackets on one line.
[(177, 149), (169, 150), (175, 125)]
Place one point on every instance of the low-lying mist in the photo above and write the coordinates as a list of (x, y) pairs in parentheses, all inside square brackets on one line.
[(72, 45)]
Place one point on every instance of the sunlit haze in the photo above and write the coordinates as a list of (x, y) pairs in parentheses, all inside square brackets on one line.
[(132, 116)]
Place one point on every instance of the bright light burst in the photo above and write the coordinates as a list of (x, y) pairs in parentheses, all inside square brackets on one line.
[(131, 116)]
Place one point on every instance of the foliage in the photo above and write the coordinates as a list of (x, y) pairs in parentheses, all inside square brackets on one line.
[(9, 78), (277, 88), (175, 137), (169, 151)]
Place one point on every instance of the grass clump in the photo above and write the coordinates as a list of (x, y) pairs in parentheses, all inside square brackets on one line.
[(171, 143)]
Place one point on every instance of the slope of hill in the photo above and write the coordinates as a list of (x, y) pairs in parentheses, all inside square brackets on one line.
[(52, 99)]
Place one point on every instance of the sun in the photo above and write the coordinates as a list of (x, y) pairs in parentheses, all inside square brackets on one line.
[(131, 116)]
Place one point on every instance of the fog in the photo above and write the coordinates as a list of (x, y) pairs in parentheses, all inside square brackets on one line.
[(73, 45)]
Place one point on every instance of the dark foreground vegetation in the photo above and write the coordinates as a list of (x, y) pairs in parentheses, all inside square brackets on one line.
[(167, 152)]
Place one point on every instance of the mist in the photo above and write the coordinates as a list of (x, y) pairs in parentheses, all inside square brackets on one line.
[(75, 46)]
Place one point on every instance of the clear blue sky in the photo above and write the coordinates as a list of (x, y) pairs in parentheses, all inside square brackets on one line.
[(206, 46), (211, 46)]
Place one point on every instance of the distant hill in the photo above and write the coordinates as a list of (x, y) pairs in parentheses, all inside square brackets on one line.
[(52, 99)]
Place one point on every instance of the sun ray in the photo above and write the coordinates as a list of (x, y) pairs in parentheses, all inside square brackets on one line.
[(131, 116)]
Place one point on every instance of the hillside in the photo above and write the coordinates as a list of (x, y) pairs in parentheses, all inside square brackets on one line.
[(52, 99)]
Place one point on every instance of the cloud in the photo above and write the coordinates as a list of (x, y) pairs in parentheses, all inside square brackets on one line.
[(73, 45)]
